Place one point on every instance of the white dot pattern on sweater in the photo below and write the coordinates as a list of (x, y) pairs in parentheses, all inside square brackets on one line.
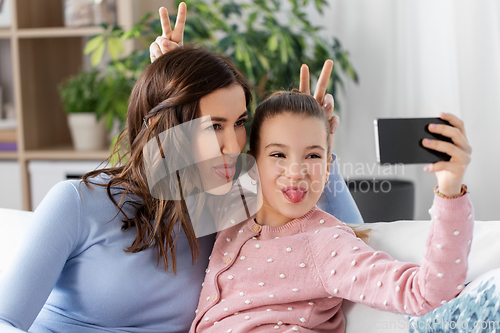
[(344, 261)]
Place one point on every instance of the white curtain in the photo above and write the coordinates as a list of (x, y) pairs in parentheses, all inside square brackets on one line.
[(417, 58)]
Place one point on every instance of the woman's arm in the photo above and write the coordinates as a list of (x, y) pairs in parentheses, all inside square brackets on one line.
[(28, 281), (336, 198)]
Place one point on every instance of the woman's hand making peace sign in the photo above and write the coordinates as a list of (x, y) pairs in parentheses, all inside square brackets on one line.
[(171, 39)]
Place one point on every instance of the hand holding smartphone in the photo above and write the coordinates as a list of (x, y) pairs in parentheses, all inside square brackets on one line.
[(399, 140)]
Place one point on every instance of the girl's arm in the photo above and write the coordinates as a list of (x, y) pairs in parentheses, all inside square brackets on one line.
[(350, 269), (27, 282), (377, 280)]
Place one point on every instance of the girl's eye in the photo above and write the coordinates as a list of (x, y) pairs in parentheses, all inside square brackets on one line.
[(241, 122), (280, 155), (314, 156)]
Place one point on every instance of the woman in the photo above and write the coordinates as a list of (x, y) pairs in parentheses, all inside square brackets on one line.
[(103, 254), (337, 200)]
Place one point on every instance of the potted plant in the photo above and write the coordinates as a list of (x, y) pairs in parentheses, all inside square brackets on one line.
[(269, 51), (94, 103), (80, 95)]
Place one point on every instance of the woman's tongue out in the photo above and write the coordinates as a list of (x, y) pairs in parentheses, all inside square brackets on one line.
[(294, 194)]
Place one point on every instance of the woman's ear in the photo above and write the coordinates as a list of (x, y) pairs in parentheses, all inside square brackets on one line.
[(328, 167)]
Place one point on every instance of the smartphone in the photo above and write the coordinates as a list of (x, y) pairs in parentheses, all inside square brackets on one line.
[(399, 140)]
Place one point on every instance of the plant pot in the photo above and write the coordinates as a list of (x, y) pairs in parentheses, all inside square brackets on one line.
[(86, 132)]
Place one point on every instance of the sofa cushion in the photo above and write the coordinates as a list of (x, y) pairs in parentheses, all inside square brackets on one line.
[(405, 241), (476, 309), (12, 225)]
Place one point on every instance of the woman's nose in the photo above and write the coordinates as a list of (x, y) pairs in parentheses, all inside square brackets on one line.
[(229, 144)]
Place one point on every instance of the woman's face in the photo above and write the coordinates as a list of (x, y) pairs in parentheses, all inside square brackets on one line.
[(227, 110), (292, 164)]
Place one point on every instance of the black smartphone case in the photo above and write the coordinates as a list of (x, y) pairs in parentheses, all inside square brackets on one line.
[(399, 140)]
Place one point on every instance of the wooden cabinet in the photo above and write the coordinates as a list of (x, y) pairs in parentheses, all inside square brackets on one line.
[(40, 52)]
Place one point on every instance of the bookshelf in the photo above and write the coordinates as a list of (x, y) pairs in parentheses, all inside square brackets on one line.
[(36, 53)]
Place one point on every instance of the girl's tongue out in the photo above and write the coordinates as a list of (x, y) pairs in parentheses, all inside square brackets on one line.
[(294, 194)]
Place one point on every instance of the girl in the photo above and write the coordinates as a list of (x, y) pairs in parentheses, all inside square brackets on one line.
[(289, 268), (104, 254)]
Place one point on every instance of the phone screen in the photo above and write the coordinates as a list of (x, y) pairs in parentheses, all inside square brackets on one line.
[(399, 140)]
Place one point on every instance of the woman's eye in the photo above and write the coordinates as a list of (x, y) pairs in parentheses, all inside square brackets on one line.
[(240, 122), (314, 156), (278, 155), (214, 127)]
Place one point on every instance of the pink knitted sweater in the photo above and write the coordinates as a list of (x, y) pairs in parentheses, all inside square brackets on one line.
[(293, 278)]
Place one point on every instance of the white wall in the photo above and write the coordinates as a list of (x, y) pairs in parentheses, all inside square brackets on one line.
[(417, 58)]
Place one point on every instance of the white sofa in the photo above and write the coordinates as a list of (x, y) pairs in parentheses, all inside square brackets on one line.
[(404, 240)]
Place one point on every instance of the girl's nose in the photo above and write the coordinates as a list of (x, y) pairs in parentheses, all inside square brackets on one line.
[(295, 171)]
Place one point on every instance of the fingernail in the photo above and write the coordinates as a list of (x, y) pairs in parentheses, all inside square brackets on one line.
[(426, 141), (333, 130), (428, 167), (327, 105), (432, 126), (166, 43)]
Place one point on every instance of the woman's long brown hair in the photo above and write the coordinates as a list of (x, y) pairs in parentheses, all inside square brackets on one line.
[(166, 94)]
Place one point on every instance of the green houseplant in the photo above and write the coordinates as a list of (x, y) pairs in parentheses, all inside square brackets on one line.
[(268, 50), (93, 102), (80, 97)]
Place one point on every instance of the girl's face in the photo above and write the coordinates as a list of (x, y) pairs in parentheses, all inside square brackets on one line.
[(227, 110), (292, 164)]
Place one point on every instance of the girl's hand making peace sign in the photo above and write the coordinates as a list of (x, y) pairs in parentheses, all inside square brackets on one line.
[(169, 39)]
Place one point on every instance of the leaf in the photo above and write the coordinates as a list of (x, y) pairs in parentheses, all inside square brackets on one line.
[(115, 48), (93, 44), (96, 57), (238, 52), (284, 51), (263, 61), (251, 19), (272, 44)]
